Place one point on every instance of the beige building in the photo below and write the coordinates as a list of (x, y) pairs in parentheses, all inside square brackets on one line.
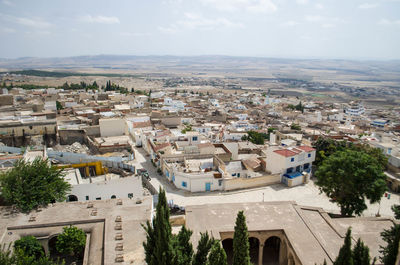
[(112, 127), (284, 233), (114, 234)]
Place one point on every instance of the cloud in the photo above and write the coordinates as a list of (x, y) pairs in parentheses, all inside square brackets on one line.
[(388, 22), (302, 2), (368, 5), (314, 18), (38, 23), (253, 6), (193, 21), (325, 22), (7, 3), (290, 23), (135, 34), (100, 19), (7, 30), (319, 6), (328, 25)]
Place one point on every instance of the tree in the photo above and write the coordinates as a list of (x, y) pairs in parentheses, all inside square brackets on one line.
[(295, 127), (65, 86), (345, 256), (361, 254), (327, 146), (158, 247), (183, 248), (203, 247), (30, 246), (396, 210), (349, 177), (18, 257), (217, 254), (255, 137), (374, 152), (32, 184), (71, 241), (390, 251), (241, 246), (59, 106)]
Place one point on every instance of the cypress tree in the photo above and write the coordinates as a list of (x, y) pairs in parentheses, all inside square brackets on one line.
[(361, 254), (345, 256), (217, 254), (183, 249), (158, 245), (241, 246), (203, 247), (392, 238)]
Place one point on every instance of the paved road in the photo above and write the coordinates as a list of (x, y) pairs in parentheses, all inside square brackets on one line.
[(307, 194)]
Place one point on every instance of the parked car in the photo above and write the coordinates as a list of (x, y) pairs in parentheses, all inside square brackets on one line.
[(176, 209), (143, 172)]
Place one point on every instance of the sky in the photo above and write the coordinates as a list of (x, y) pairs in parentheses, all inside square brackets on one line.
[(338, 29)]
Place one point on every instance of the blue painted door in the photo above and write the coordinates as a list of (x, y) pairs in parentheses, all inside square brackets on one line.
[(208, 186)]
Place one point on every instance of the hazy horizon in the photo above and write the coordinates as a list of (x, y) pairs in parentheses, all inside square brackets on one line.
[(285, 29)]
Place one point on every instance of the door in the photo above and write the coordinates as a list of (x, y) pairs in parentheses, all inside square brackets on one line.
[(208, 186)]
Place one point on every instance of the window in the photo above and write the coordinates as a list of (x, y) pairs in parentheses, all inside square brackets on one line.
[(238, 175), (113, 197), (98, 198), (306, 166), (87, 197), (292, 159), (309, 155), (194, 138), (130, 195), (289, 170), (220, 182), (184, 184)]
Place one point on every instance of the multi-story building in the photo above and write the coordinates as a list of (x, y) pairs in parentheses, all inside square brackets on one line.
[(290, 162)]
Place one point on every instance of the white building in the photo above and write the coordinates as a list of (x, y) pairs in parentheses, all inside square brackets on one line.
[(50, 105), (194, 175), (355, 109), (109, 186), (290, 162)]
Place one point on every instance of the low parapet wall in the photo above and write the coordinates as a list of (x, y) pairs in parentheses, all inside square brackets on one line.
[(245, 183)]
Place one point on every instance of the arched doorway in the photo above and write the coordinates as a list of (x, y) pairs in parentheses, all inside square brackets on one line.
[(72, 198), (271, 251), (254, 249), (52, 246), (227, 244), (113, 197)]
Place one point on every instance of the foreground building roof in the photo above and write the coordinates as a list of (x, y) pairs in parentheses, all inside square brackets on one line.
[(113, 227), (308, 235)]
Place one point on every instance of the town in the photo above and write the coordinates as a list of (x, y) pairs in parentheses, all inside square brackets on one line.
[(212, 153)]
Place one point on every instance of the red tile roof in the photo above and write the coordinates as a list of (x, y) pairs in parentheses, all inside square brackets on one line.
[(159, 147), (286, 152), (143, 124), (306, 148)]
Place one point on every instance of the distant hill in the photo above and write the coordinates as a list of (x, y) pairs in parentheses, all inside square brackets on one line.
[(378, 70)]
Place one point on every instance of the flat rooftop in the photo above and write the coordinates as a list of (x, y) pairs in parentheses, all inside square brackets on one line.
[(101, 226), (313, 235)]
